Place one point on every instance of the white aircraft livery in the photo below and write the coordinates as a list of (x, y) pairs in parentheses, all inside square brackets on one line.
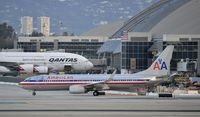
[(83, 83), (42, 62)]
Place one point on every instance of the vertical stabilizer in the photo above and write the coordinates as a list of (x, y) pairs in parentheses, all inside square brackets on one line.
[(161, 66)]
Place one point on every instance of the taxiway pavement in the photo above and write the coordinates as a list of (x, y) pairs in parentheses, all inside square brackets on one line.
[(18, 102)]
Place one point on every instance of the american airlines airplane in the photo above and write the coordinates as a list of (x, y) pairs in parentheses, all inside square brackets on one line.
[(41, 62), (83, 83)]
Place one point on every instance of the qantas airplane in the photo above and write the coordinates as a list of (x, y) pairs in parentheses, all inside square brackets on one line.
[(41, 62), (83, 83)]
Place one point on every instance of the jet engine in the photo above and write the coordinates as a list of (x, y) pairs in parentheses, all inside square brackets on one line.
[(26, 68), (77, 89), (30, 68), (40, 69)]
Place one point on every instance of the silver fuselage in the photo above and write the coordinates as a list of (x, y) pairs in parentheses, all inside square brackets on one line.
[(63, 82)]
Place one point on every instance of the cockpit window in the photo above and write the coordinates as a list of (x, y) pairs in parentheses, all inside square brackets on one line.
[(27, 79), (34, 78)]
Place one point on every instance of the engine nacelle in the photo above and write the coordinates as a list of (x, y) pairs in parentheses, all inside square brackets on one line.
[(4, 69), (26, 68), (77, 89), (40, 69)]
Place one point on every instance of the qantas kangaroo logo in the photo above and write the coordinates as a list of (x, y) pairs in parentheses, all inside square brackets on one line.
[(160, 65)]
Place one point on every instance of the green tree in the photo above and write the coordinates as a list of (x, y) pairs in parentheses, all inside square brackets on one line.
[(36, 34), (72, 34), (7, 36), (65, 34), (6, 31)]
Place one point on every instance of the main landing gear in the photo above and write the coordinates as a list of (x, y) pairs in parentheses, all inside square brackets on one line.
[(97, 93), (34, 93)]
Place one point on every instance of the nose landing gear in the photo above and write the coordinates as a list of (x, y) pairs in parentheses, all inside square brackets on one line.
[(34, 93)]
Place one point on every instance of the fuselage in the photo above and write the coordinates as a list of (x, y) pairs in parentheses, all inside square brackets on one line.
[(63, 82), (52, 60)]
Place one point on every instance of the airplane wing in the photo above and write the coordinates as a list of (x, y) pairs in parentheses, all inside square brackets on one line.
[(100, 85), (8, 68), (10, 65)]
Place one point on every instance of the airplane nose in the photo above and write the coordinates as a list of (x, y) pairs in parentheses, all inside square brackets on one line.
[(89, 65)]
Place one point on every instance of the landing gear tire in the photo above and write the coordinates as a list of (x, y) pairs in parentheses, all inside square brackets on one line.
[(95, 93), (34, 93)]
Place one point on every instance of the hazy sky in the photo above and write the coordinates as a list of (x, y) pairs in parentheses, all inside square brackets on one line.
[(77, 16)]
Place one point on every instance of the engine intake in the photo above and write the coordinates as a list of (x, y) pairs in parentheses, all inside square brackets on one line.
[(77, 89), (26, 68), (41, 69)]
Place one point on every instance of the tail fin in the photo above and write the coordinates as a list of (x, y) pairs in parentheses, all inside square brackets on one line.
[(161, 66)]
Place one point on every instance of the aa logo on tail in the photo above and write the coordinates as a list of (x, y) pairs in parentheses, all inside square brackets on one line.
[(160, 65)]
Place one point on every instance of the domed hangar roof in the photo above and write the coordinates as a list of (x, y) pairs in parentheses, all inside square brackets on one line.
[(106, 30), (165, 17)]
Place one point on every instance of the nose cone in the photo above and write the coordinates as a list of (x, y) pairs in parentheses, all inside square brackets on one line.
[(89, 65), (21, 84)]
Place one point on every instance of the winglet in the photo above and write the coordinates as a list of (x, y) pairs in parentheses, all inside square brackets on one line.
[(111, 76)]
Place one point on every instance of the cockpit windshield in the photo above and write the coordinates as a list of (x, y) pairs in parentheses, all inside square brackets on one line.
[(34, 78)]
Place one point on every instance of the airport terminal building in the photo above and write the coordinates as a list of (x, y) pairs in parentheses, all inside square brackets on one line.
[(134, 55), (132, 44), (83, 45)]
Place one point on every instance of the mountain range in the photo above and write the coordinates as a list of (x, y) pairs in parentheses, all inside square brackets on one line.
[(75, 16)]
